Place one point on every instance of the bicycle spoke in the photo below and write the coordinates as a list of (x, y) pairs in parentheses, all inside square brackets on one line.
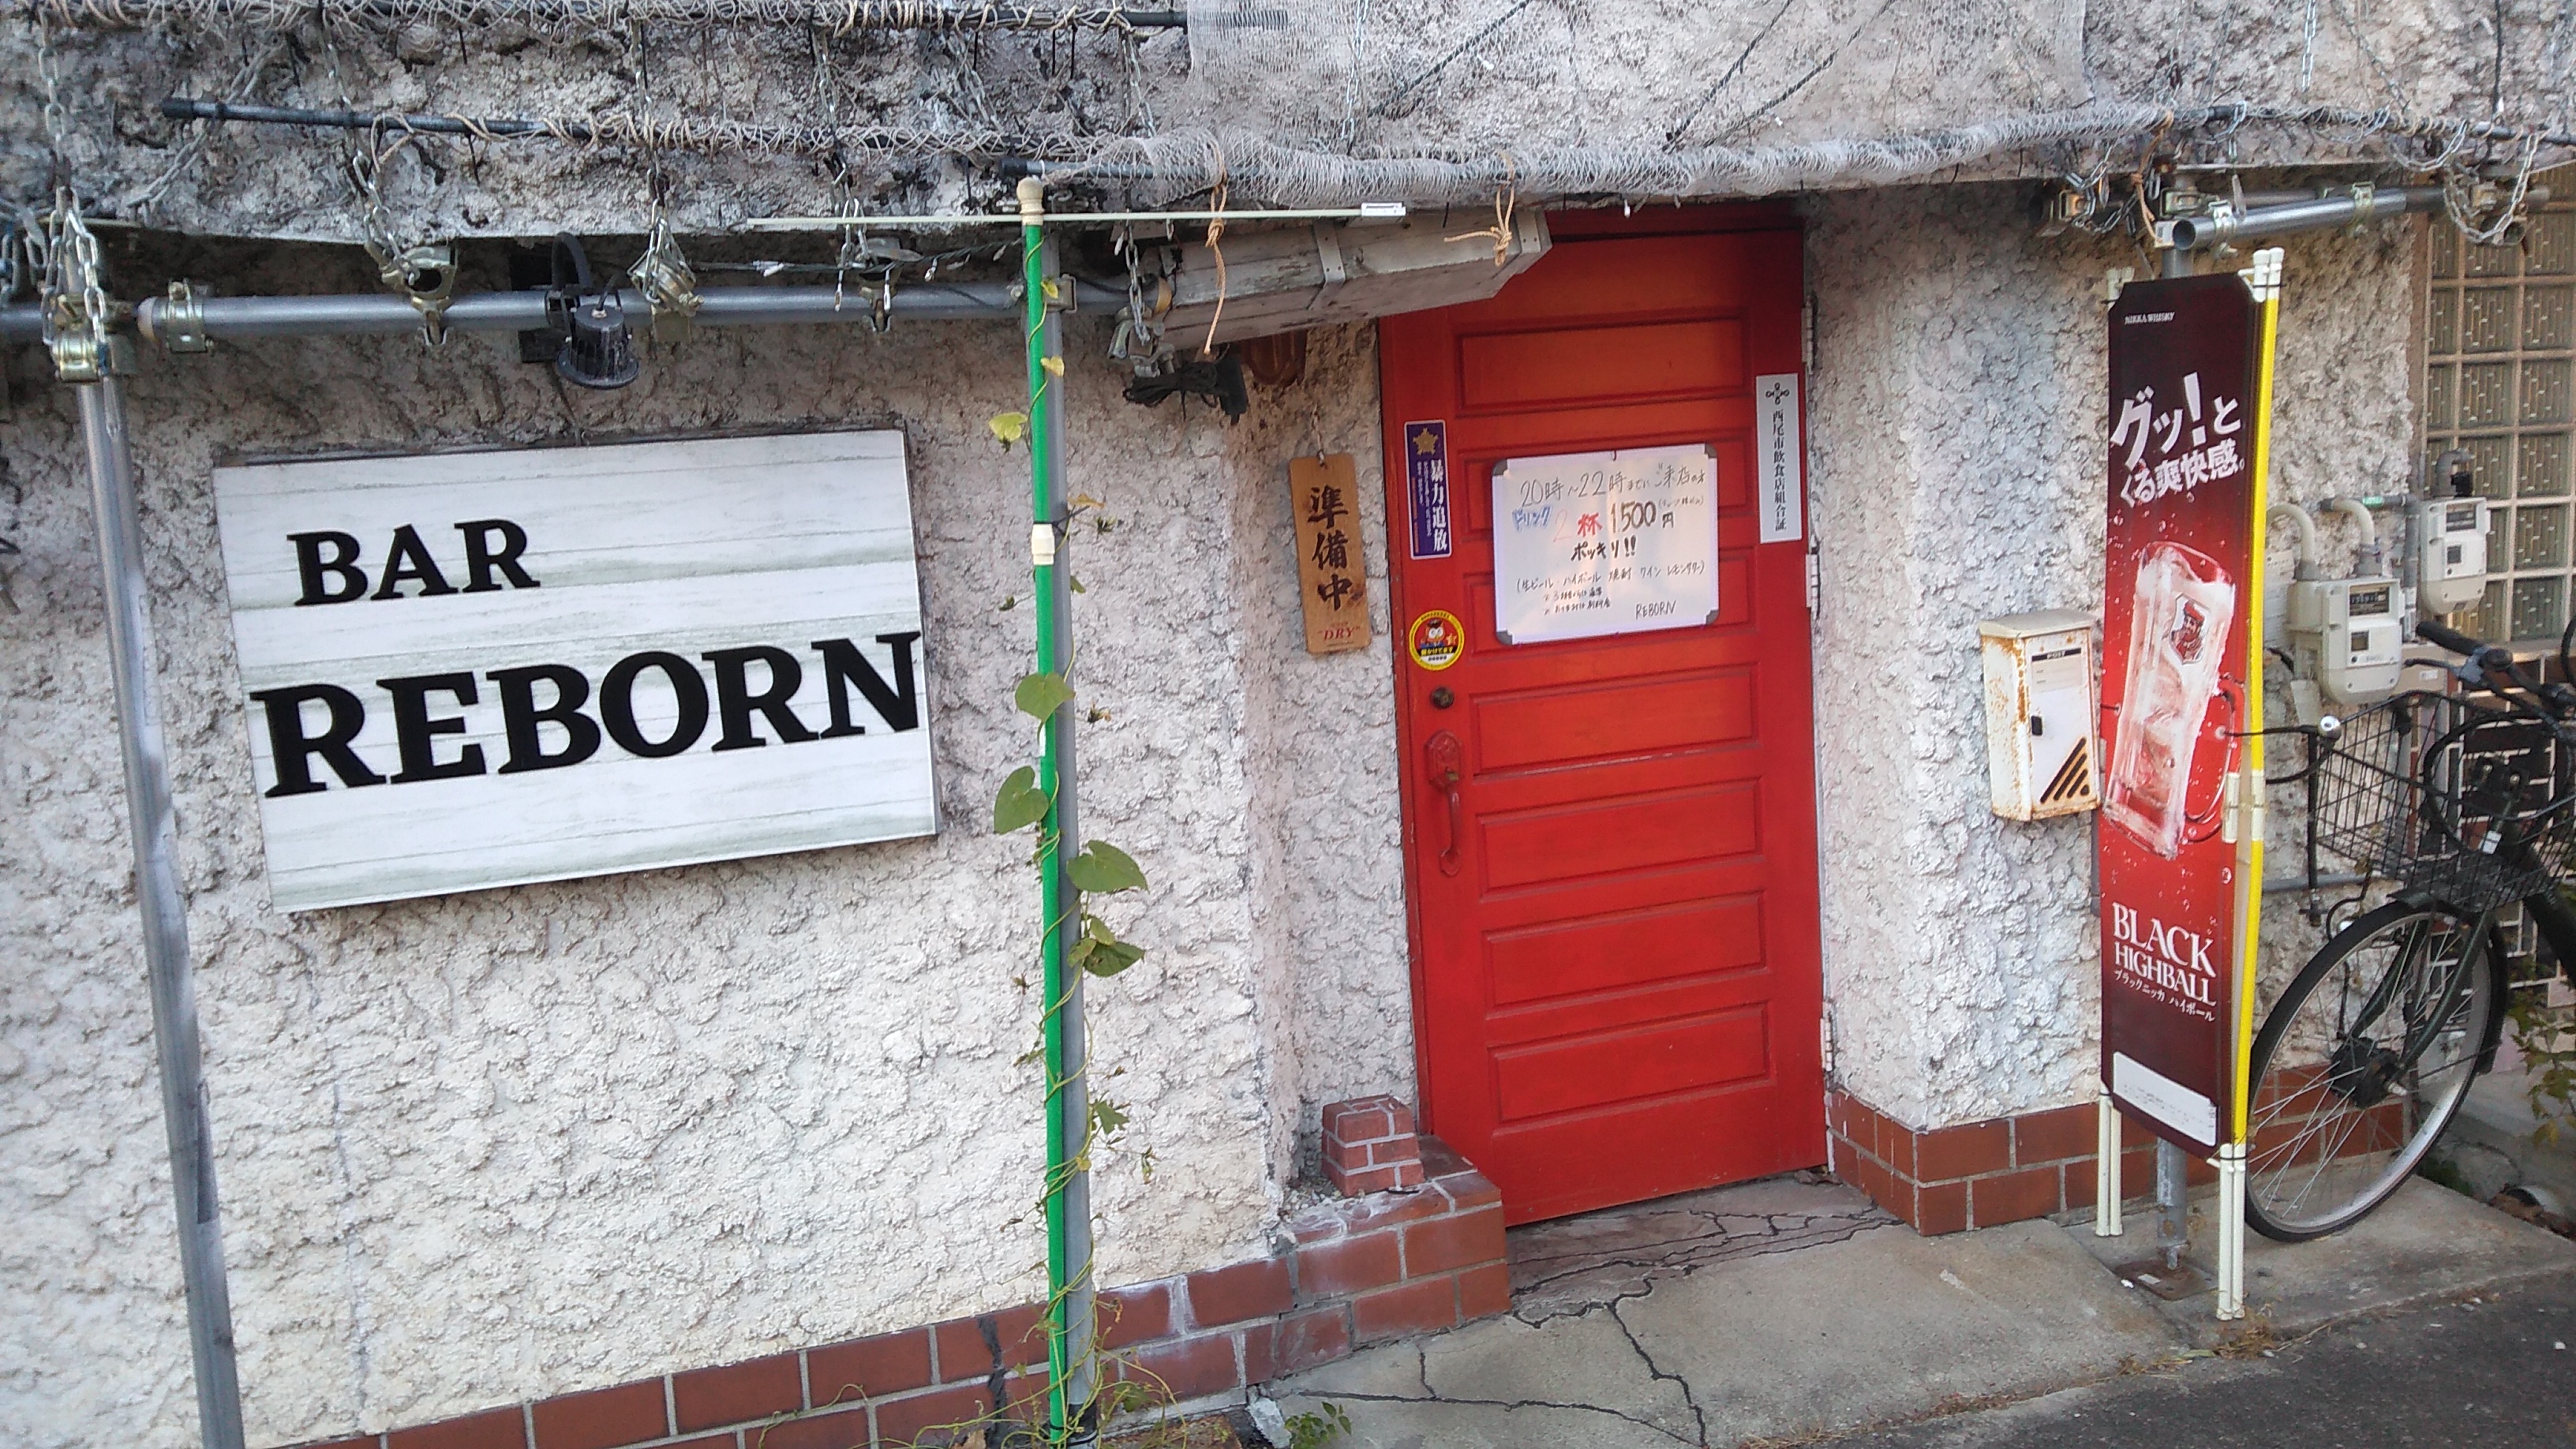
[(2361, 1061)]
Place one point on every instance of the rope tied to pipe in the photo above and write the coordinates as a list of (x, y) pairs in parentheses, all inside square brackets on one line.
[(1506, 197)]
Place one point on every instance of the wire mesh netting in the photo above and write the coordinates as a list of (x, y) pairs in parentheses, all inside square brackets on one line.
[(585, 113), (2464, 801)]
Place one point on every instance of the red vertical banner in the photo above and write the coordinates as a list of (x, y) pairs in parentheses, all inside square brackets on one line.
[(2179, 608)]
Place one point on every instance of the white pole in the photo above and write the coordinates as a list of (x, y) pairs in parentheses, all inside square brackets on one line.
[(2106, 1171), (2231, 1230)]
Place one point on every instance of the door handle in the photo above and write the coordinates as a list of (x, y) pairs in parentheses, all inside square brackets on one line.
[(1447, 760)]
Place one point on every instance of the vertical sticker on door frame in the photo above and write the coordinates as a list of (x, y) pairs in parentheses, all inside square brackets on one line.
[(1426, 493), (1778, 458)]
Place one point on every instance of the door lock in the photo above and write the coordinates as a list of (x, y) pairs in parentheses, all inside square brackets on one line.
[(1441, 698)]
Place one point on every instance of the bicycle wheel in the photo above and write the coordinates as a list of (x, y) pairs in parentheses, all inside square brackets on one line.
[(2361, 1064)]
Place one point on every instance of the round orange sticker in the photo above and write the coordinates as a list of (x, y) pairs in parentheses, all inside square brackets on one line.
[(1437, 639)]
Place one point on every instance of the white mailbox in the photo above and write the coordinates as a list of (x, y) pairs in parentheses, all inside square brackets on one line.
[(2040, 713)]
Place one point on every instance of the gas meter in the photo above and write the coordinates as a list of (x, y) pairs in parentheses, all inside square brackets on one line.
[(2450, 541), (2451, 562), (2350, 627)]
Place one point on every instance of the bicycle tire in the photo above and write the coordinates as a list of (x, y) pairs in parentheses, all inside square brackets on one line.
[(2327, 1082)]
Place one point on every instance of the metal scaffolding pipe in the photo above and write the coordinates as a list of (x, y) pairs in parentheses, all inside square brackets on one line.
[(165, 919), (2191, 233), (383, 314)]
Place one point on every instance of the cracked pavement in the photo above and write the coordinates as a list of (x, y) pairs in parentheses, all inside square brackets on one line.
[(1576, 1264), (1782, 1307), (1791, 1309)]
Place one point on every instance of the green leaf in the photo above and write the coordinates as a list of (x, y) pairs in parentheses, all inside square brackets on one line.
[(1008, 428), (1107, 959), (1076, 580), (1104, 869), (1107, 1117), (1020, 803), (1099, 951), (1053, 365), (1041, 695)]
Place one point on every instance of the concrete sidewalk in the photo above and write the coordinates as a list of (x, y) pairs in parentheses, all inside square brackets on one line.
[(1787, 1310)]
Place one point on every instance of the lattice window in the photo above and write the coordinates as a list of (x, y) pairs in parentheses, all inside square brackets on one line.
[(2500, 381)]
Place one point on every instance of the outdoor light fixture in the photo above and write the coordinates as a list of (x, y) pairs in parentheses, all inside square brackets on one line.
[(598, 350)]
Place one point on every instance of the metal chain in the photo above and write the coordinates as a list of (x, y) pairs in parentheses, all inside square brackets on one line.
[(49, 75), (76, 310), (2485, 216), (424, 274), (1139, 336), (663, 275)]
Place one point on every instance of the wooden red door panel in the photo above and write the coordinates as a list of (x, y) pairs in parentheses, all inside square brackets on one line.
[(1614, 918)]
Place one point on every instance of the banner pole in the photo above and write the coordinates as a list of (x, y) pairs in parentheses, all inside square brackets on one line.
[(2264, 280), (2106, 1169)]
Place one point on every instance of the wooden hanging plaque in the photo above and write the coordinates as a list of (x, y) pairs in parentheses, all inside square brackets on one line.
[(1332, 577)]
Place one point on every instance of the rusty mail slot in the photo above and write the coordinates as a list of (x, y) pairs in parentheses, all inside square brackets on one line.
[(2040, 714)]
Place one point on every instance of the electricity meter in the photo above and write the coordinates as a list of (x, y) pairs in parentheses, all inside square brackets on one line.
[(2451, 566), (2350, 626), (2039, 713)]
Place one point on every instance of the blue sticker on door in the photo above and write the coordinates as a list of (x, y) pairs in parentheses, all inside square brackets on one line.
[(1426, 471)]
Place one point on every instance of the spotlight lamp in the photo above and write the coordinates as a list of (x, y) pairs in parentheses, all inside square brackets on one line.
[(598, 349)]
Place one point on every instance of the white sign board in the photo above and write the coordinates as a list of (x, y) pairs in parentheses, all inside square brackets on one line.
[(481, 669), (1587, 544), (1777, 459)]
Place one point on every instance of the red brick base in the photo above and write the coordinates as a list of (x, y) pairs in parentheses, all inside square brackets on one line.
[(1980, 1174), (1346, 1272), (1369, 1146)]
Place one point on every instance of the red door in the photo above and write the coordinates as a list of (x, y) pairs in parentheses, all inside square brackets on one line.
[(1617, 984)]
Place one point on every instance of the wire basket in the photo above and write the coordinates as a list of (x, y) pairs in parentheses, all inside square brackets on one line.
[(2462, 799)]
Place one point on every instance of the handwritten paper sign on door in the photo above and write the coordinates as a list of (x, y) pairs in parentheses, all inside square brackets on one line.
[(1587, 544)]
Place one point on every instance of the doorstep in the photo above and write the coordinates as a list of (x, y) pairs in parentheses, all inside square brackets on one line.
[(2426, 1243), (1801, 1310)]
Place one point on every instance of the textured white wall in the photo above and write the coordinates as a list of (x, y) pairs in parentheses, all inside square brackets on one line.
[(526, 1141), (1326, 820), (550, 1138), (1956, 416)]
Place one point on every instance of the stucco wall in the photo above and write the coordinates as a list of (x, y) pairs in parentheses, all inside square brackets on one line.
[(1326, 809), (549, 1138), (1956, 415), (525, 1141)]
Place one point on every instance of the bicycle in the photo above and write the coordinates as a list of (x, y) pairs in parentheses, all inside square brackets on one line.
[(2467, 802)]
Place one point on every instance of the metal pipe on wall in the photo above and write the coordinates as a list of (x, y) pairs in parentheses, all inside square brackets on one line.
[(164, 907), (2190, 233), (384, 314)]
